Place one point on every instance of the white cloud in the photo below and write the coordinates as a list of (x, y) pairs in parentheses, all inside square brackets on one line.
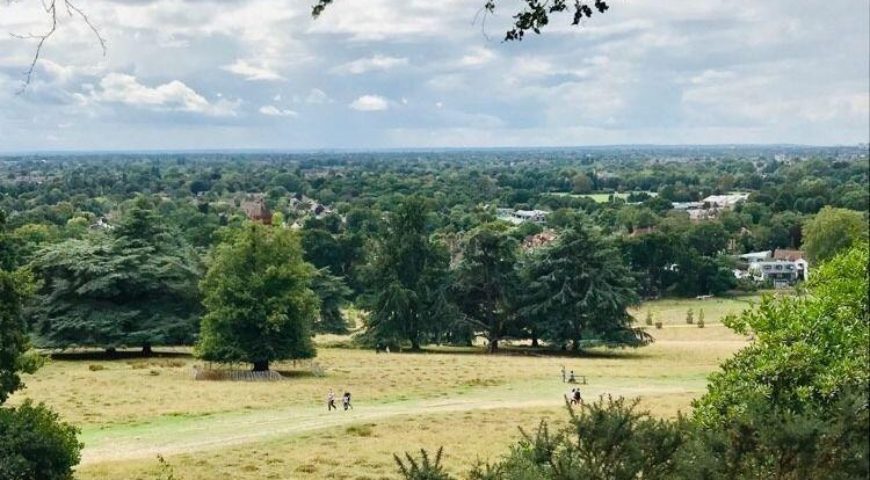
[(375, 63), (644, 72), (477, 56), (253, 72), (370, 103), (273, 111), (317, 96), (172, 96)]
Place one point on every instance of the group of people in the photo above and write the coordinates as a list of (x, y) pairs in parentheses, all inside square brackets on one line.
[(345, 401), (574, 396)]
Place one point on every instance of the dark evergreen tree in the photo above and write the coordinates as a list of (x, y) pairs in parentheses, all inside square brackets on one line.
[(333, 294), (487, 282), (580, 289), (133, 286), (408, 286)]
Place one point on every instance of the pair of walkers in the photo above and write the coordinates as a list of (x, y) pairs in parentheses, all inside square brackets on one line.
[(574, 397), (345, 401)]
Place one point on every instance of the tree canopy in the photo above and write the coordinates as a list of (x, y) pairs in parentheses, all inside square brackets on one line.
[(408, 288), (534, 16), (581, 288), (487, 282), (34, 443), (258, 299), (133, 286), (808, 351), (833, 230)]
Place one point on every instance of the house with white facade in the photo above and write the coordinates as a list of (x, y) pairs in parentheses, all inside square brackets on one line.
[(780, 267), (522, 216)]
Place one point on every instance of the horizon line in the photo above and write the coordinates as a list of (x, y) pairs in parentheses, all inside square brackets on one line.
[(326, 150)]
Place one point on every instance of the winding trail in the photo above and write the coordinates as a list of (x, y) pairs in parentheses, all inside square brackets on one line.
[(177, 435)]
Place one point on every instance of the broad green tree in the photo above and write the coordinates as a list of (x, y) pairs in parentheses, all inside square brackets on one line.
[(34, 443), (833, 230), (133, 286), (259, 303), (808, 350), (14, 290), (408, 286), (580, 290)]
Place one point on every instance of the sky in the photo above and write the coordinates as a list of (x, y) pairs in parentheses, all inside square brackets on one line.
[(369, 74)]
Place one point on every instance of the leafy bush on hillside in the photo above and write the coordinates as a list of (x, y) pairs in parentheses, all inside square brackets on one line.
[(35, 444)]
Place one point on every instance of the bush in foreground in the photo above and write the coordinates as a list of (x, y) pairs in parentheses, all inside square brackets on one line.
[(35, 444), (611, 439)]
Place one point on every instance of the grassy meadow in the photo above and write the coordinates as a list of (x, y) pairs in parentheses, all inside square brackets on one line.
[(132, 410)]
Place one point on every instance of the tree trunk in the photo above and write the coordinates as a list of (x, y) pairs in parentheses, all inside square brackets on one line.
[(415, 345), (146, 350), (261, 365), (493, 346), (576, 345), (535, 343), (111, 352)]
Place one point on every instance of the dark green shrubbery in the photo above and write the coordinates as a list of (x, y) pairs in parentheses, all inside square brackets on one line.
[(35, 445), (611, 439)]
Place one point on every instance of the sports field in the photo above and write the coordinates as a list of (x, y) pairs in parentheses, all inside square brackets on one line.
[(130, 411)]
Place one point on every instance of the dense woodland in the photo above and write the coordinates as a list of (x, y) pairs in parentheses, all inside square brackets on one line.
[(119, 244)]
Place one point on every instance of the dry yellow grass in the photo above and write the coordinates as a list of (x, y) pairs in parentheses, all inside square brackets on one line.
[(671, 311), (470, 403)]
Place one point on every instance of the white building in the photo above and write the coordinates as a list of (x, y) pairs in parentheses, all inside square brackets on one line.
[(521, 216), (725, 201)]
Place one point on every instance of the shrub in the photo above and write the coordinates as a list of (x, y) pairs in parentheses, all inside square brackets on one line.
[(649, 318), (166, 470), (606, 439), (422, 469), (690, 317), (701, 319), (35, 444), (659, 325), (96, 368)]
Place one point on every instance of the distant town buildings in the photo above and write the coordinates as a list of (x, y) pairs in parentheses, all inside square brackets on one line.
[(256, 210), (522, 216), (711, 206), (724, 202), (539, 240), (101, 224), (306, 205), (782, 268)]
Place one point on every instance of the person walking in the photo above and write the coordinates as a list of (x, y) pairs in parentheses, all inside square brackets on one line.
[(571, 378), (345, 401), (330, 401)]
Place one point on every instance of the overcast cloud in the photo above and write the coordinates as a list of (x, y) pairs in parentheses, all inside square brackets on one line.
[(203, 74)]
